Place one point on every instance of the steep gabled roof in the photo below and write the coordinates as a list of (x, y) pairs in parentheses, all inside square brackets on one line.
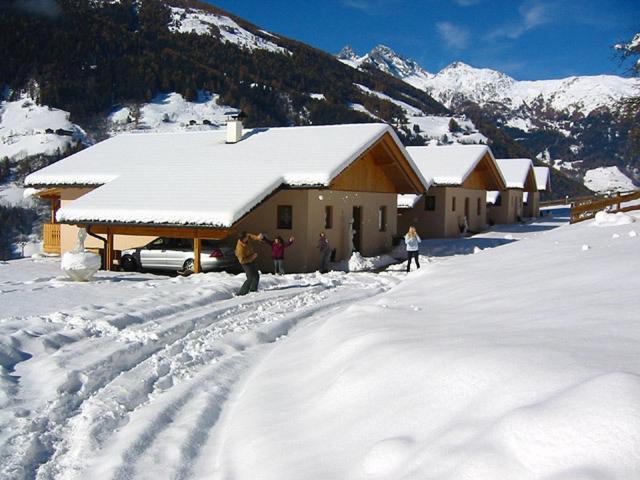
[(196, 178), (543, 178), (518, 173), (452, 165)]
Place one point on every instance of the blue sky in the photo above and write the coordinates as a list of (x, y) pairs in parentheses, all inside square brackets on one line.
[(527, 39)]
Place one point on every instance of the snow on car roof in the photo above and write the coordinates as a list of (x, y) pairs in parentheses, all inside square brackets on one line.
[(197, 178), (448, 164), (542, 178), (515, 171)]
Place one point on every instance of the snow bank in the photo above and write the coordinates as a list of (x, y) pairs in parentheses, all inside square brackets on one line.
[(605, 219), (358, 263), (457, 375)]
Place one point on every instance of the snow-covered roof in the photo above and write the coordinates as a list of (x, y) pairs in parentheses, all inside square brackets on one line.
[(542, 178), (196, 178), (515, 171), (448, 164), (408, 200)]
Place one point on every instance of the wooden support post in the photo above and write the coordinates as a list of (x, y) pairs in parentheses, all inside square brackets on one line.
[(197, 268), (109, 252), (53, 209)]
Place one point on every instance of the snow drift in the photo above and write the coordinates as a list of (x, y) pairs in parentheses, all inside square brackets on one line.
[(462, 372)]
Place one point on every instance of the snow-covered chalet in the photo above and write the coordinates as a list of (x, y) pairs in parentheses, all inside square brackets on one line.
[(460, 175), (294, 181)]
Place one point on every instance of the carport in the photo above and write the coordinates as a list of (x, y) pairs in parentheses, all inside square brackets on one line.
[(107, 233)]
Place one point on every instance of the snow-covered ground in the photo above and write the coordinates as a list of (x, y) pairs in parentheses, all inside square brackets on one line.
[(170, 112), (516, 362), (24, 125), (606, 179), (202, 22)]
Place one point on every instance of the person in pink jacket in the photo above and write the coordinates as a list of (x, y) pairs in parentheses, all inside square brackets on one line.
[(278, 246)]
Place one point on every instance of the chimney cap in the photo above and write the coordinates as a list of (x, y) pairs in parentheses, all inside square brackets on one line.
[(235, 115)]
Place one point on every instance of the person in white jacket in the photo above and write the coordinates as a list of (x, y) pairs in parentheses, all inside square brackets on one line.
[(412, 242)]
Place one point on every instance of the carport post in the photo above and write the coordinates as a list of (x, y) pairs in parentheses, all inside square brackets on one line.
[(196, 255), (109, 253)]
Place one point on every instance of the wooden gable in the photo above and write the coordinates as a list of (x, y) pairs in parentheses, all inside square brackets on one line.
[(485, 176), (530, 183), (383, 168)]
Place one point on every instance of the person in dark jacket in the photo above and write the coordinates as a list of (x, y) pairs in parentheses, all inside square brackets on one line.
[(247, 257), (277, 252)]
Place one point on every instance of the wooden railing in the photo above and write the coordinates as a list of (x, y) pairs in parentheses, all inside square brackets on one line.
[(51, 237), (585, 209)]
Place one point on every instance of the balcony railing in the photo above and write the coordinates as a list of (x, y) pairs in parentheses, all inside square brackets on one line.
[(51, 236)]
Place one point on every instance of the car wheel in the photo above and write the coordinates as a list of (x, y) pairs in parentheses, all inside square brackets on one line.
[(128, 263), (188, 266)]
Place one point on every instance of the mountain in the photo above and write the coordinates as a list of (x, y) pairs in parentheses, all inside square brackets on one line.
[(575, 119)]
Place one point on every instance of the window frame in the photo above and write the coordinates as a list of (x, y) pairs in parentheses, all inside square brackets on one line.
[(280, 221), (328, 217), (429, 203), (382, 218)]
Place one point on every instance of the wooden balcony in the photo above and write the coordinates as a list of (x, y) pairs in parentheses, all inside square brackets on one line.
[(51, 238)]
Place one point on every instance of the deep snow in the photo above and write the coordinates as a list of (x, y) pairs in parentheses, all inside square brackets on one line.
[(516, 362)]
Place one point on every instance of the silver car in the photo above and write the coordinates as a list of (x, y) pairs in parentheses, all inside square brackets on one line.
[(176, 254)]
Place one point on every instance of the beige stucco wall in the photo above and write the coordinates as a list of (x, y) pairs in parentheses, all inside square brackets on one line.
[(509, 210), (308, 222), (453, 219), (444, 221), (69, 233)]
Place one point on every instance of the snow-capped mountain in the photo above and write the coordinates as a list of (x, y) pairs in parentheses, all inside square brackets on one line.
[(575, 119), (459, 82)]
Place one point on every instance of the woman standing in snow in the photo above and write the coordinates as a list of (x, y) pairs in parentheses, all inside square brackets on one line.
[(277, 252), (412, 242), (247, 257), (325, 251)]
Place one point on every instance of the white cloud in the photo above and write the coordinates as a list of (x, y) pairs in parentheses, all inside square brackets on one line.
[(454, 36), (372, 7), (532, 14), (466, 3)]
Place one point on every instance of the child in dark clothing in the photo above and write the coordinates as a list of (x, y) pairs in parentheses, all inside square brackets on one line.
[(278, 246)]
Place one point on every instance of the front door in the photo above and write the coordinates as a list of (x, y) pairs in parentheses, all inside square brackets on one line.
[(357, 229)]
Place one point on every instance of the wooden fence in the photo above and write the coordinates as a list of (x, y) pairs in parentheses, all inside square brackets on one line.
[(51, 237), (586, 208)]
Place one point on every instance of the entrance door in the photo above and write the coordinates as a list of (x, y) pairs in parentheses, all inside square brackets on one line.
[(357, 228)]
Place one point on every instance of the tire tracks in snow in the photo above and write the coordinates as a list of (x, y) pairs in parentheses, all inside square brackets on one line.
[(204, 337)]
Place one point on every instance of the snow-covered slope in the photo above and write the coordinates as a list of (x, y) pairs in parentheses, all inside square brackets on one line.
[(170, 112), (28, 129), (203, 22), (489, 366), (606, 179)]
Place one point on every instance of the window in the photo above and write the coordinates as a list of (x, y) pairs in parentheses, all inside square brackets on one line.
[(285, 217), (429, 203), (382, 219), (467, 207), (453, 204), (328, 217), (479, 207)]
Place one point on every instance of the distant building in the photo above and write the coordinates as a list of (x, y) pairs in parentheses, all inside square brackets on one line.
[(460, 177), (507, 205)]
